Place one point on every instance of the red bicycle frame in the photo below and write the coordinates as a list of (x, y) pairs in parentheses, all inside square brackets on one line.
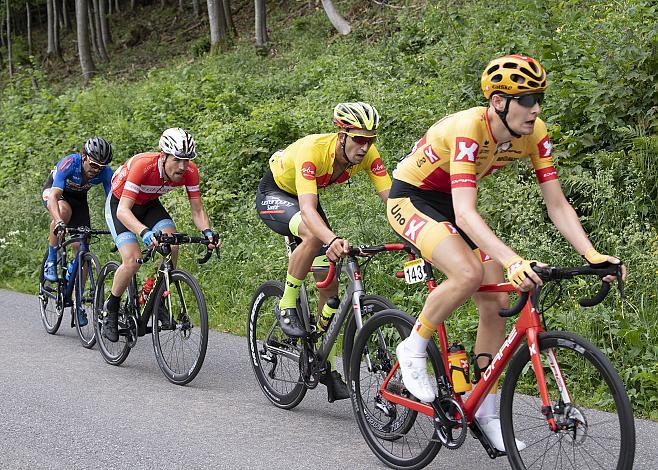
[(528, 325)]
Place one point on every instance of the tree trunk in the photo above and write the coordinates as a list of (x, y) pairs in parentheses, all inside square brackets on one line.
[(181, 5), (229, 18), (342, 26), (84, 49), (261, 28), (92, 28), (109, 7), (53, 40), (163, 4), (116, 6), (29, 28), (105, 27), (65, 17), (196, 8), (218, 30), (9, 51), (99, 33), (132, 5)]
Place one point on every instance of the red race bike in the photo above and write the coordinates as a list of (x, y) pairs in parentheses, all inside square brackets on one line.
[(561, 396)]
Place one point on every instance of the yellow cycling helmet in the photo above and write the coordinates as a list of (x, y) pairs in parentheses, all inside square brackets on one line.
[(356, 116), (513, 75)]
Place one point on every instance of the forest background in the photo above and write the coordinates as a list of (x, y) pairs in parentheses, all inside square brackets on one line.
[(253, 91)]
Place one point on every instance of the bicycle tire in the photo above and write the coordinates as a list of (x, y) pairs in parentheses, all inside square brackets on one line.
[(287, 392), (51, 303), (409, 440), (87, 333), (599, 385), (370, 304), (181, 362), (113, 353)]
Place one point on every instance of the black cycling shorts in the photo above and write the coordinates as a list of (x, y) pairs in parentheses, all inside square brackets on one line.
[(152, 214), (77, 200), (280, 209)]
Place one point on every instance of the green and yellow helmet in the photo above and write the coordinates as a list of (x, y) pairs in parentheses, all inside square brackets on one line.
[(356, 116), (513, 75)]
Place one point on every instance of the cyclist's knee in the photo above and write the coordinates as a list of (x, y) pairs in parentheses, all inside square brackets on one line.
[(468, 276)]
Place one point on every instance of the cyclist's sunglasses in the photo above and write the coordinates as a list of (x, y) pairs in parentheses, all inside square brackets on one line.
[(95, 165), (528, 100), (183, 156), (362, 139)]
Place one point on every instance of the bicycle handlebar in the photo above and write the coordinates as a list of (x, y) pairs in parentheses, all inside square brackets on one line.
[(549, 273), (167, 239), (364, 251)]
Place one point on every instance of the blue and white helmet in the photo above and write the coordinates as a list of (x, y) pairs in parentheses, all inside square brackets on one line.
[(179, 143)]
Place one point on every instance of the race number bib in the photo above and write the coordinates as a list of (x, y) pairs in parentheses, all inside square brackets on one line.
[(414, 271)]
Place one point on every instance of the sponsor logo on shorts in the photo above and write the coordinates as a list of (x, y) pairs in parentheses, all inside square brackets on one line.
[(308, 170), (431, 156), (451, 227), (397, 215), (414, 227), (378, 168)]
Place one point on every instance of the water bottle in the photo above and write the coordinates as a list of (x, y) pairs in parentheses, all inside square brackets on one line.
[(459, 371), (327, 314), (147, 287), (69, 270)]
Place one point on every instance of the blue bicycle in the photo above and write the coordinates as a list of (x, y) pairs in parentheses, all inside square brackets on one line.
[(74, 287)]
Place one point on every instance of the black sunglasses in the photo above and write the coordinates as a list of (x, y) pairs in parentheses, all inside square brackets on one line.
[(528, 100)]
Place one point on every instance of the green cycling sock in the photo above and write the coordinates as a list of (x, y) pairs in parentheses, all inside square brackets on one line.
[(290, 293)]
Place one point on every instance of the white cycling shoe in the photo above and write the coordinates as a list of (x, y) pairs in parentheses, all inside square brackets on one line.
[(491, 427), (414, 373)]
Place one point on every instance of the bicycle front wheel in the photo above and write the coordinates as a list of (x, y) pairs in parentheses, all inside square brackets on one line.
[(274, 356), (595, 426), (398, 436), (370, 304), (51, 303), (180, 327), (83, 303), (113, 353)]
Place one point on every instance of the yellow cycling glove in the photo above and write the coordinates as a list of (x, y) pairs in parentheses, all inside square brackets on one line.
[(595, 259), (518, 269)]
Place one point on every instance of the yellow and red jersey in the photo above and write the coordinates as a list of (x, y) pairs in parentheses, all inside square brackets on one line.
[(142, 178), (460, 149), (307, 164)]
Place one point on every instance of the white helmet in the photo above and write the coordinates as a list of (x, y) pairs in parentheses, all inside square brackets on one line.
[(179, 143)]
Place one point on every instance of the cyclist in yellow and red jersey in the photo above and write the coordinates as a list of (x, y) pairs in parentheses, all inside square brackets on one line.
[(433, 205), (287, 201), (133, 208)]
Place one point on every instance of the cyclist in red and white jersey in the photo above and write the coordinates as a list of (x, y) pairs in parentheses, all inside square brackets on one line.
[(133, 209)]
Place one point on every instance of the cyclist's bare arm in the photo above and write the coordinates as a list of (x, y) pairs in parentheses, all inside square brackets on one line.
[(126, 216), (313, 221), (384, 195), (566, 220), (467, 217), (200, 217), (53, 204)]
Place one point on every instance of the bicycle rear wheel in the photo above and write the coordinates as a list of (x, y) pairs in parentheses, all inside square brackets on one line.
[(595, 429), (370, 304), (274, 356), (113, 353), (83, 299), (181, 348), (51, 302), (398, 436)]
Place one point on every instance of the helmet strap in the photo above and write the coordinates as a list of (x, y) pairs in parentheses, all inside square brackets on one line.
[(349, 162), (503, 117)]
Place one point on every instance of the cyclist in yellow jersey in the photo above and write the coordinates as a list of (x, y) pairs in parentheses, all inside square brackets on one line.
[(287, 201), (433, 204)]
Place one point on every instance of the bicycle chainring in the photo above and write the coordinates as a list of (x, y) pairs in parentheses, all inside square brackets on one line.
[(449, 422)]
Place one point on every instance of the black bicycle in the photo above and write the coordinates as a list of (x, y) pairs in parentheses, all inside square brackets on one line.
[(74, 287), (287, 367), (176, 308)]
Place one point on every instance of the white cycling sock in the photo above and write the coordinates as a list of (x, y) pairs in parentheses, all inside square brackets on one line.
[(488, 407), (415, 343)]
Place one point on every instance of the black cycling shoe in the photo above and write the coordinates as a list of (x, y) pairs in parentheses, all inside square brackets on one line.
[(336, 388), (166, 322), (289, 322), (111, 325)]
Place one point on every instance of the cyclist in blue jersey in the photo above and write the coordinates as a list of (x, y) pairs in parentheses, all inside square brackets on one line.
[(65, 192)]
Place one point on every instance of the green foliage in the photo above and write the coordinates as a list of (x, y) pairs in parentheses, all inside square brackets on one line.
[(416, 65)]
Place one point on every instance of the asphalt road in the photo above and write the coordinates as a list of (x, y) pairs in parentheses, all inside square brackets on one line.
[(62, 406)]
